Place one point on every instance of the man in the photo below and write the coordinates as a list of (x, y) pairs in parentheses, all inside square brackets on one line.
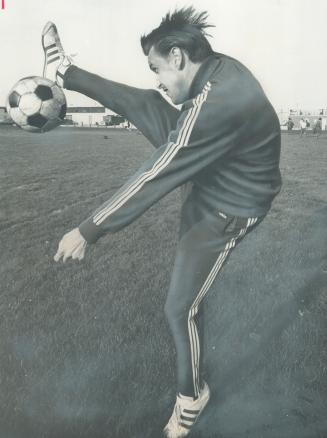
[(317, 127), (289, 124), (222, 147), (307, 121), (303, 126)]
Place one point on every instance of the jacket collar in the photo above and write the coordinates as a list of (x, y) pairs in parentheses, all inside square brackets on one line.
[(203, 74)]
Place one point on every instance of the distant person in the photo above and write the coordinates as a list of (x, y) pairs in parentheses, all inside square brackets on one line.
[(317, 128), (215, 146), (307, 123), (303, 127), (290, 124)]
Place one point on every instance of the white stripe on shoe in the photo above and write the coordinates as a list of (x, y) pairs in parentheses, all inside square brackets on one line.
[(193, 333), (162, 162)]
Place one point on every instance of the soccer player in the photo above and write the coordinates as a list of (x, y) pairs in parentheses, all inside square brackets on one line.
[(289, 124), (303, 126), (317, 127), (222, 147)]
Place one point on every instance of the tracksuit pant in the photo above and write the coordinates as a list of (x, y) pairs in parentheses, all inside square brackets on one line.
[(206, 237)]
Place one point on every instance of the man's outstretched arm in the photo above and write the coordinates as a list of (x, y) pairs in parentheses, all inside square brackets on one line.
[(203, 135)]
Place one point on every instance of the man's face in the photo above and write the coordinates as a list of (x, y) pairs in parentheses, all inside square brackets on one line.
[(170, 74)]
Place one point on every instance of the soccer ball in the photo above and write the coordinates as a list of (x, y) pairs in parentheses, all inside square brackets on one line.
[(36, 104)]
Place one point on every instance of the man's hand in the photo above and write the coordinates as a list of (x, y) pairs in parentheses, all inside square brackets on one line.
[(71, 245)]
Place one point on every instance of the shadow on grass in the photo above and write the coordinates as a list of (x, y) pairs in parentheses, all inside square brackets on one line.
[(275, 325)]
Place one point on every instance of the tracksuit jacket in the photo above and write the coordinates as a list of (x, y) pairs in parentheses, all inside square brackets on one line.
[(226, 147)]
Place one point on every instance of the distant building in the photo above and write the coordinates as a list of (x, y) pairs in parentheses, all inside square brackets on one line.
[(113, 120), (85, 115), (92, 116)]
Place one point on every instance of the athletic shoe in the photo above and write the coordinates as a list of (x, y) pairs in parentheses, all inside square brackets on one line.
[(185, 414), (56, 62)]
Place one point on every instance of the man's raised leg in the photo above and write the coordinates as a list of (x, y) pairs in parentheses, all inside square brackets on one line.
[(146, 109)]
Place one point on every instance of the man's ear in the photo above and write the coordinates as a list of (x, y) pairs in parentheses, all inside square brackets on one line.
[(177, 57)]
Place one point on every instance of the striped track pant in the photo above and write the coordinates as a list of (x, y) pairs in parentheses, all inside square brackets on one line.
[(202, 250)]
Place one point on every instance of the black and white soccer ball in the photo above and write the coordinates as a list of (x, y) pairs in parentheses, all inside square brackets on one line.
[(36, 104)]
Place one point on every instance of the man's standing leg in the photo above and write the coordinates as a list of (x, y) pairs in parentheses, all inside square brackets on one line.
[(204, 246)]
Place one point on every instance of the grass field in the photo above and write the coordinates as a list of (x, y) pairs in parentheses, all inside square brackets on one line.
[(85, 351)]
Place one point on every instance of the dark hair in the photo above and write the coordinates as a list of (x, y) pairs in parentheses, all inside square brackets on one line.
[(183, 28)]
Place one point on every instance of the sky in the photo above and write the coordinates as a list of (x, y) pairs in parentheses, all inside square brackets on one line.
[(283, 42)]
